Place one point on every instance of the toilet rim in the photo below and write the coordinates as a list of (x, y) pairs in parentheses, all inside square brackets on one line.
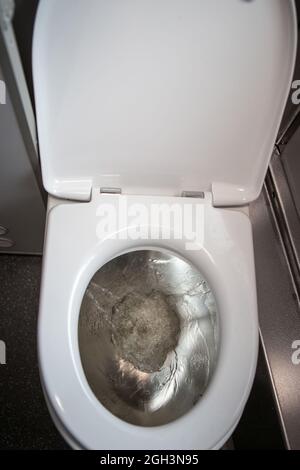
[(99, 255)]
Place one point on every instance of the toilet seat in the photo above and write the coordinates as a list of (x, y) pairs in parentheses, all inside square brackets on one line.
[(72, 261)]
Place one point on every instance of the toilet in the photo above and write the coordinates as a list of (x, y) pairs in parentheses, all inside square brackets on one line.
[(147, 108)]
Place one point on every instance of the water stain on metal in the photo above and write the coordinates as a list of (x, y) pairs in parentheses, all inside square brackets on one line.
[(148, 336)]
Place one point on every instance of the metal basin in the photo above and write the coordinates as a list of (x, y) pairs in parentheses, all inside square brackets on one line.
[(148, 336)]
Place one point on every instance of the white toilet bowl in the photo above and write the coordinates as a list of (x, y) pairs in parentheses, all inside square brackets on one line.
[(226, 261), (159, 101)]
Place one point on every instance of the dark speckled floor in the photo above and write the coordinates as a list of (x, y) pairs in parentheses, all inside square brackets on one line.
[(24, 419)]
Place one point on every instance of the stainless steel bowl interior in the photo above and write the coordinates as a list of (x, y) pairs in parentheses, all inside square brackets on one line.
[(148, 336)]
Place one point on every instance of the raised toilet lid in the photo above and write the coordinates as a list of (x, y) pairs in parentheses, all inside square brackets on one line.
[(156, 97)]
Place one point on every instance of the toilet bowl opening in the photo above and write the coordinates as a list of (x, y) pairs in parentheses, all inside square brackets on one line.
[(148, 336)]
